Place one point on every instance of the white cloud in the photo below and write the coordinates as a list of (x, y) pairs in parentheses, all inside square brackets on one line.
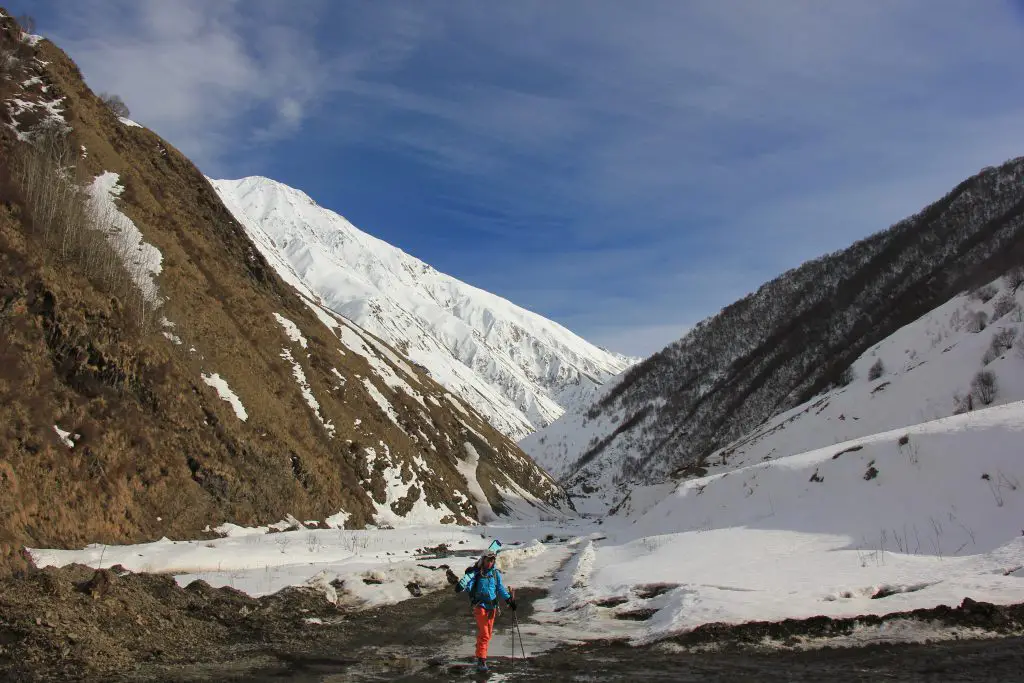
[(642, 163), (212, 77)]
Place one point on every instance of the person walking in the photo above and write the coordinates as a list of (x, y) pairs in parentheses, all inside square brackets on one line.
[(485, 587)]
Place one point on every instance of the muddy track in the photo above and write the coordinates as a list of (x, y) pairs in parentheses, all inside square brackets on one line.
[(435, 626), (77, 624), (418, 639), (759, 650)]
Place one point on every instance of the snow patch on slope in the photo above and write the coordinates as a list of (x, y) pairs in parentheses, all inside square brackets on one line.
[(291, 330), (467, 468), (142, 260), (382, 402), (225, 393), (307, 391), (396, 490)]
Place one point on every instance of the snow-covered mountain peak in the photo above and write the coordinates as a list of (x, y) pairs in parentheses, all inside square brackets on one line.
[(519, 369)]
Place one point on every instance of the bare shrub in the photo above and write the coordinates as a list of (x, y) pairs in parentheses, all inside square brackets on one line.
[(877, 370), (1015, 278), (845, 377), (984, 386), (984, 294), (976, 321), (962, 404), (72, 230), (956, 320), (1002, 341), (27, 22), (115, 104), (1006, 303)]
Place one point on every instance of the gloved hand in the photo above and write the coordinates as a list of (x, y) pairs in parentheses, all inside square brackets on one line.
[(450, 575), (511, 602)]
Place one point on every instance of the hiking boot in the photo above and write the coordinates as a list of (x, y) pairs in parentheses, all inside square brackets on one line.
[(481, 664)]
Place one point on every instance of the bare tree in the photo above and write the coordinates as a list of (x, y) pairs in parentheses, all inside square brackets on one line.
[(1002, 341), (877, 370), (977, 321), (1003, 305), (1015, 278), (984, 386), (115, 104)]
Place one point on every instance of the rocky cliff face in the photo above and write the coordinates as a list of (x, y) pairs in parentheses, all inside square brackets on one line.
[(157, 376)]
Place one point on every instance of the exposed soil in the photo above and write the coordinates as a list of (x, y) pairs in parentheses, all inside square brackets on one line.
[(76, 623)]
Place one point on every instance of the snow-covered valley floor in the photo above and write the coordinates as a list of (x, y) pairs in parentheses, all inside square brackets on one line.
[(893, 522)]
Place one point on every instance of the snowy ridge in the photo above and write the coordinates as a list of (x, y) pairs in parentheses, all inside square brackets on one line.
[(925, 371), (518, 369)]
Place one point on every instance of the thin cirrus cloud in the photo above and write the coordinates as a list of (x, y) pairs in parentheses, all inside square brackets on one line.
[(624, 168)]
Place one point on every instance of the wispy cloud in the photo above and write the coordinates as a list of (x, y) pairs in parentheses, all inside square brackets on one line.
[(618, 166), (213, 77)]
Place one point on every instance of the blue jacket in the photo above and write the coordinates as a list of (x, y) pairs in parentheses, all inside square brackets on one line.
[(486, 587)]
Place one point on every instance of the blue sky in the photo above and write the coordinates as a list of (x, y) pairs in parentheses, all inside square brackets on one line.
[(623, 168)]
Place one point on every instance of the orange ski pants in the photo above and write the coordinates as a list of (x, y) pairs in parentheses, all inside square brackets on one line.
[(484, 629)]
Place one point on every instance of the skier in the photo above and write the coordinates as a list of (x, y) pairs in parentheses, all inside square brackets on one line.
[(485, 587)]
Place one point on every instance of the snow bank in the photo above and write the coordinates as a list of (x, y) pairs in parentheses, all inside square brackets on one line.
[(921, 368), (259, 563), (922, 516)]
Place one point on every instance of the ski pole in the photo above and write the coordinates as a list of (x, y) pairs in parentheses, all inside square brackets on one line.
[(513, 645), (512, 628), (515, 620)]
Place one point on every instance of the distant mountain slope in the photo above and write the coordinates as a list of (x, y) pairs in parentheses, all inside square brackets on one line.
[(517, 368), (157, 377), (789, 341), (924, 371)]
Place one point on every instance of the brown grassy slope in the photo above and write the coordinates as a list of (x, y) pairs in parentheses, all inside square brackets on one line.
[(159, 452)]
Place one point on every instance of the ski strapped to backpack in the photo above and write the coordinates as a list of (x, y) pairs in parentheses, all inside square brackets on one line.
[(464, 584)]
